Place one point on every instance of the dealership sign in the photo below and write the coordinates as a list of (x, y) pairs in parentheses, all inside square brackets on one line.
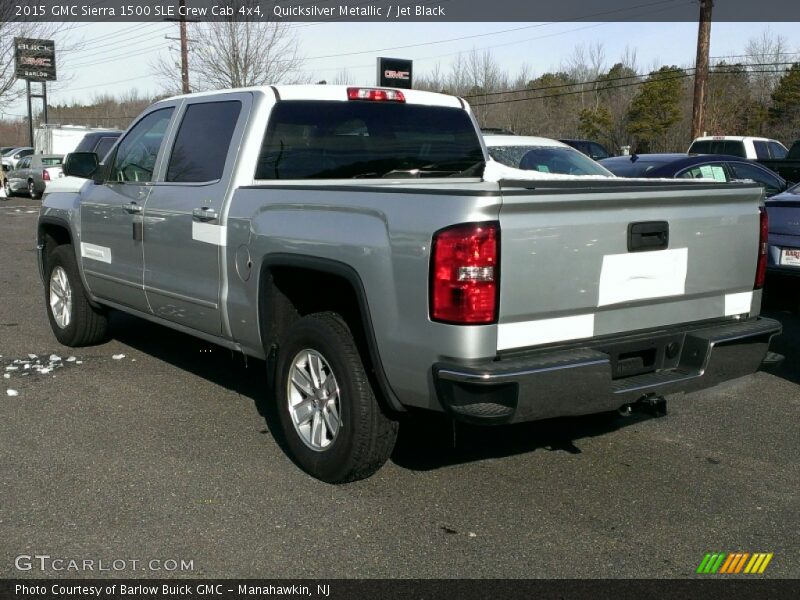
[(394, 72), (34, 60)]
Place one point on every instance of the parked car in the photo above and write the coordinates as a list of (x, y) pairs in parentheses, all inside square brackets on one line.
[(788, 167), (738, 145), (541, 154), (784, 233), (719, 168), (352, 238), (99, 142), (12, 157), (32, 174), (592, 149)]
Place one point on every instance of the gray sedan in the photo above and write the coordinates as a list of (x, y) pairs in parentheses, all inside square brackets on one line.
[(32, 174)]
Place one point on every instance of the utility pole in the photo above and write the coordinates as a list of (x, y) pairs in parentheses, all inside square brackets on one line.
[(185, 50), (701, 67), (184, 40)]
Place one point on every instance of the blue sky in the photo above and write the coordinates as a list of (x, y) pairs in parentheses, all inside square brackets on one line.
[(115, 57)]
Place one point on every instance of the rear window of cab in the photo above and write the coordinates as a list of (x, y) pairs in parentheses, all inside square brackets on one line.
[(310, 139)]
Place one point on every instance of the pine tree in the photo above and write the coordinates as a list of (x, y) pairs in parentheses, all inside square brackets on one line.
[(785, 110), (656, 108)]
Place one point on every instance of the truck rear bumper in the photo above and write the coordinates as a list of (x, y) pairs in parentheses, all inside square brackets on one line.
[(604, 375)]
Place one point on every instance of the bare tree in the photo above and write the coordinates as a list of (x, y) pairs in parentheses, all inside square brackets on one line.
[(762, 52), (233, 53)]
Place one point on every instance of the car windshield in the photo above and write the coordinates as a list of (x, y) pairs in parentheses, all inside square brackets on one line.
[(9, 152), (547, 159)]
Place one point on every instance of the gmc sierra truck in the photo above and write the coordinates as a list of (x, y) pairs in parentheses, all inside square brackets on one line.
[(350, 238)]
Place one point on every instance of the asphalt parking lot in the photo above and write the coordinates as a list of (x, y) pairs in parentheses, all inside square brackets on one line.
[(158, 446)]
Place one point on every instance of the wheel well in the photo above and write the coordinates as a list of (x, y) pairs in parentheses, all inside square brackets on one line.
[(288, 293), (51, 236)]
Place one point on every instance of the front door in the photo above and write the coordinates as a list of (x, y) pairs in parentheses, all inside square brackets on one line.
[(111, 214), (184, 227)]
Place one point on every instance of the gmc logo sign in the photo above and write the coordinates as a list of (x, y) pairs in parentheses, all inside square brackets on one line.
[(394, 72), (390, 74)]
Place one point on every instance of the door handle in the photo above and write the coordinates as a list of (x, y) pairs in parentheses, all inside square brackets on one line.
[(133, 208), (649, 235), (204, 214)]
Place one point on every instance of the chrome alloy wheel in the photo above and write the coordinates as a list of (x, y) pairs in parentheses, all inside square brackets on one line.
[(60, 297), (314, 402)]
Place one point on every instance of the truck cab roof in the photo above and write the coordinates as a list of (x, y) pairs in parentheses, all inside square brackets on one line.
[(334, 92)]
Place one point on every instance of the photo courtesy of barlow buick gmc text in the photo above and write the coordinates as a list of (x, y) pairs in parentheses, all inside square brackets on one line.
[(354, 300)]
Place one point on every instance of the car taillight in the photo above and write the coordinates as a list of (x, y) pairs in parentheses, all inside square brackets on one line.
[(375, 94), (465, 274), (763, 236), (45, 175)]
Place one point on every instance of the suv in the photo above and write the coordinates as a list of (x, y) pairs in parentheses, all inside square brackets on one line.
[(99, 142), (739, 145)]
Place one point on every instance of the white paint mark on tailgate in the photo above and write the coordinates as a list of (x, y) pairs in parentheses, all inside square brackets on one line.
[(736, 304), (643, 275), (210, 234), (100, 253), (544, 331)]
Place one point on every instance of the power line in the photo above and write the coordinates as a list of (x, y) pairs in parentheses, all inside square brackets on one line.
[(606, 80), (624, 85)]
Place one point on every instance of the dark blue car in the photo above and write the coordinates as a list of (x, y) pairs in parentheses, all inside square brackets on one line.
[(783, 212), (719, 167)]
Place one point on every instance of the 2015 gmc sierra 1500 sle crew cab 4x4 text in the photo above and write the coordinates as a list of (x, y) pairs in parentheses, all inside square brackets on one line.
[(351, 238)]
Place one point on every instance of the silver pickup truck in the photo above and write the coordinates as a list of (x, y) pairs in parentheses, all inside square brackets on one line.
[(350, 238)]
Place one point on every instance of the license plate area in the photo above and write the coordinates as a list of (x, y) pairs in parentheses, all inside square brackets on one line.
[(644, 356), (790, 257)]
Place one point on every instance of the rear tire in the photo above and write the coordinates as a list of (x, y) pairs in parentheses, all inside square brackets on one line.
[(32, 191), (334, 428), (74, 321)]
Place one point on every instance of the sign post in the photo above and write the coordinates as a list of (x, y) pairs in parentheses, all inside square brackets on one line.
[(35, 60), (395, 72)]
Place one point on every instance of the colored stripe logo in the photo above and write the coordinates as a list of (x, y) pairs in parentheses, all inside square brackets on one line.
[(734, 563)]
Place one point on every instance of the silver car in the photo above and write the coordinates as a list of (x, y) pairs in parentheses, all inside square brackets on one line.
[(32, 174)]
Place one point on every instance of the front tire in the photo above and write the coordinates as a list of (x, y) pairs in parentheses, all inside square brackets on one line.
[(74, 321), (334, 428)]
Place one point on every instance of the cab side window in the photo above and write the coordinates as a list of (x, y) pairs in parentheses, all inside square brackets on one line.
[(761, 149), (138, 150), (202, 143), (777, 151)]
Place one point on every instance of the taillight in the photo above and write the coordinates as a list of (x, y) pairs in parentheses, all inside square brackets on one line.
[(375, 94), (45, 175), (763, 236), (465, 274)]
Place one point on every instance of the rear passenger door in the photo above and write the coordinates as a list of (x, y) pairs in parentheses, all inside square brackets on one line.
[(184, 222)]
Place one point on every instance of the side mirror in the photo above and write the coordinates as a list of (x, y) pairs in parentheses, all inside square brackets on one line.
[(80, 164)]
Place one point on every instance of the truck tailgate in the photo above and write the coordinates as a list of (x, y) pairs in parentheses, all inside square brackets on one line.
[(588, 259)]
